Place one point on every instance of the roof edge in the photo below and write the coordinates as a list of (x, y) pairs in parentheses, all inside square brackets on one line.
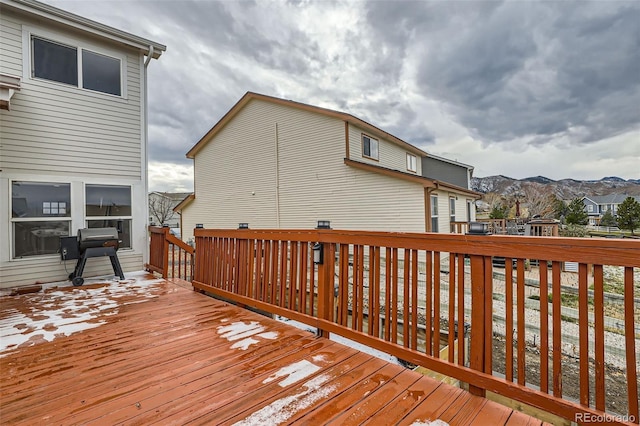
[(85, 24), (182, 204), (376, 131)]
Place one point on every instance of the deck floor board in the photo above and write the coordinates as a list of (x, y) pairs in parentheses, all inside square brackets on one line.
[(148, 351)]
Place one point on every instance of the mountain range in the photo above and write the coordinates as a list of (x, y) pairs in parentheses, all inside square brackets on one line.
[(565, 189)]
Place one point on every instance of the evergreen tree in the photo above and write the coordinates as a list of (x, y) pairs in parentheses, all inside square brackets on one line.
[(498, 212), (629, 214), (560, 209), (607, 219), (576, 213)]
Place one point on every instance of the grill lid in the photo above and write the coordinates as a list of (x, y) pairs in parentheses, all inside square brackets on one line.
[(95, 234)]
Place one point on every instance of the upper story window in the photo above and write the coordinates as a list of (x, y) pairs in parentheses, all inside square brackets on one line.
[(75, 66), (452, 209), (589, 208), (370, 147), (412, 163)]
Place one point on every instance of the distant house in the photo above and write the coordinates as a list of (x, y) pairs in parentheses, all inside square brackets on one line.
[(597, 205), (275, 163), (73, 139), (162, 205)]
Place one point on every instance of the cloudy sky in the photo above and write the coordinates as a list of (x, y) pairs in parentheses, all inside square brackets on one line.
[(515, 88)]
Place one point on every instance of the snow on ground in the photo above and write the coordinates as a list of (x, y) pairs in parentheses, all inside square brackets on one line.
[(70, 310), (344, 341)]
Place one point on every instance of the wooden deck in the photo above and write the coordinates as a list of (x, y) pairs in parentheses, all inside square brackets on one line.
[(148, 351)]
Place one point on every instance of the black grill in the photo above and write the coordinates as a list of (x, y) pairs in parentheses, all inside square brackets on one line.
[(91, 242)]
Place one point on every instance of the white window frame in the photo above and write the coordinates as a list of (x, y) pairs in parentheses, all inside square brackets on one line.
[(12, 220), (412, 163), (452, 209), (590, 208), (434, 214), (377, 147), (65, 40), (88, 218)]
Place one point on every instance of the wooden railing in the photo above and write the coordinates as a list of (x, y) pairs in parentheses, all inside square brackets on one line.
[(169, 256), (408, 294)]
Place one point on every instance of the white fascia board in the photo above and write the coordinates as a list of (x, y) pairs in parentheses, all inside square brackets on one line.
[(83, 24)]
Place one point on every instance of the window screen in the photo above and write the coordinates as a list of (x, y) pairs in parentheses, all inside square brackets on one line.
[(55, 62), (100, 73)]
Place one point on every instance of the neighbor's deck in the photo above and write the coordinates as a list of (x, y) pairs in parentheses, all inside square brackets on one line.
[(149, 350)]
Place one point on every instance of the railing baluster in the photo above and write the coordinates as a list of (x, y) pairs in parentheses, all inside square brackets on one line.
[(436, 304), (557, 330), (387, 295), (630, 346), (452, 307), (293, 275), (302, 289), (428, 311), (509, 330), (598, 313), (414, 299), (520, 322), (376, 293), (394, 295), (406, 321), (583, 318), (544, 326), (460, 329), (372, 285), (360, 288)]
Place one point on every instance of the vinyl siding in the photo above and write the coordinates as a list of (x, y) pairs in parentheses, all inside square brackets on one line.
[(441, 170), (314, 182), (58, 129), (60, 133), (52, 269), (391, 156), (10, 46)]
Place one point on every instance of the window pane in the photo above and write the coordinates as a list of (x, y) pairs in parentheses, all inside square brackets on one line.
[(434, 224), (100, 73), (53, 61), (374, 149), (37, 238), (105, 200), (434, 206), (122, 225), (366, 148), (36, 199)]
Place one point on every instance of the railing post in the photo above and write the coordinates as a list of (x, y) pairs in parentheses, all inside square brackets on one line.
[(479, 312), (165, 252), (325, 285)]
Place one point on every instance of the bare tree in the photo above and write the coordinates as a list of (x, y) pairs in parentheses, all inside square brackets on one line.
[(539, 202), (160, 207)]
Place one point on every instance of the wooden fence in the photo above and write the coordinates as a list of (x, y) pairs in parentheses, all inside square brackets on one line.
[(406, 293), (169, 256)]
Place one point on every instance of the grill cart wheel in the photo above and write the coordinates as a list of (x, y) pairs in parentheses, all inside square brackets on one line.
[(77, 281)]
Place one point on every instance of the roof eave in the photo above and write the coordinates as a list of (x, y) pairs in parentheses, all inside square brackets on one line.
[(87, 25)]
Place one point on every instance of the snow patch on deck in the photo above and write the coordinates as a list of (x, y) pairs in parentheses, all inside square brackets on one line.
[(245, 333), (437, 422), (69, 310), (281, 410), (294, 372)]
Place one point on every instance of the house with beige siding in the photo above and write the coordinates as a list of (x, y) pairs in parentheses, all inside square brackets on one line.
[(275, 163), (73, 139)]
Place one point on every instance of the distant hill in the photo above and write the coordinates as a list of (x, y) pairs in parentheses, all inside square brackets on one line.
[(565, 189)]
